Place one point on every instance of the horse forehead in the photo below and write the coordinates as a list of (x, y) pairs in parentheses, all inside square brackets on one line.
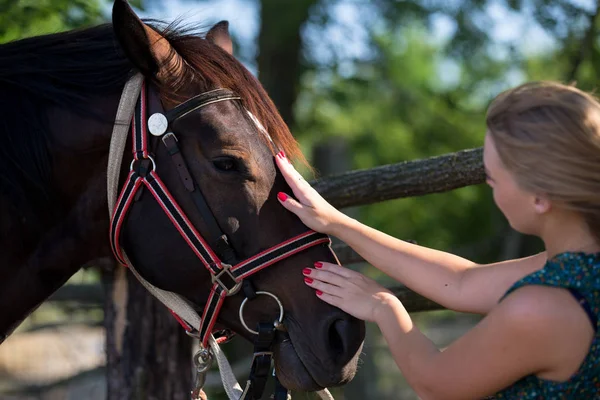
[(234, 123), (228, 120), (248, 122)]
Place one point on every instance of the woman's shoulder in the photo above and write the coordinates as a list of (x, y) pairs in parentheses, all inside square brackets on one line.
[(541, 303), (556, 317), (552, 297), (549, 314)]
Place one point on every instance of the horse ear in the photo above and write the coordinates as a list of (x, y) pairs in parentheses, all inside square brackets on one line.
[(219, 35), (148, 50)]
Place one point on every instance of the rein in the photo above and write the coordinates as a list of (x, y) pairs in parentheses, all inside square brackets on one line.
[(228, 274)]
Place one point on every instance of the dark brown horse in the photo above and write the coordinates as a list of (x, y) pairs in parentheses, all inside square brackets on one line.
[(59, 95)]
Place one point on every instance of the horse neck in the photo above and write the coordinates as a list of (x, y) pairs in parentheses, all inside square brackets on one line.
[(38, 257), (79, 148)]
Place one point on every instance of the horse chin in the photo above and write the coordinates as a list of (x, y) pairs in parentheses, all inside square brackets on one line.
[(293, 374), (290, 370)]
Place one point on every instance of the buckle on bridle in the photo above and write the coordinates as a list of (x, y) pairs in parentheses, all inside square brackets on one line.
[(261, 354), (234, 286)]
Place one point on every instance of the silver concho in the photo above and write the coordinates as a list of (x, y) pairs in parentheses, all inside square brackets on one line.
[(157, 124)]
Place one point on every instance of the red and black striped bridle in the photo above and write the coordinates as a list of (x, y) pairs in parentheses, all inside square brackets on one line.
[(227, 273)]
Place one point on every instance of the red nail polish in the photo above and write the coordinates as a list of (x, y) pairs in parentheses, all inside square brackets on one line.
[(306, 271), (308, 280), (282, 153), (318, 264), (319, 293), (282, 196)]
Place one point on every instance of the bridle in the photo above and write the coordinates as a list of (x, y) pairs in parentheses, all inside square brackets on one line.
[(213, 250)]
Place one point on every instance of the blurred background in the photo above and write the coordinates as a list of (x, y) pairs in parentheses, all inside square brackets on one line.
[(361, 83)]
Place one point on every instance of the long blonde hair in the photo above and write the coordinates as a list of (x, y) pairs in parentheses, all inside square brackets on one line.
[(548, 135)]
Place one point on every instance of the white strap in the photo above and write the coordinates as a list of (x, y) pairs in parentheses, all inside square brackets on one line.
[(131, 91), (325, 394), (230, 383)]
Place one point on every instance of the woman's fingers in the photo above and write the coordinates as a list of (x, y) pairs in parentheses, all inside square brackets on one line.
[(296, 182), (331, 278), (335, 269), (290, 203), (312, 209), (325, 276), (324, 286), (331, 299), (349, 290), (291, 176)]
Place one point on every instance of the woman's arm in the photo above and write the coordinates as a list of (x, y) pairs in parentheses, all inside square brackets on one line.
[(451, 281), (522, 336), (535, 330), (482, 286)]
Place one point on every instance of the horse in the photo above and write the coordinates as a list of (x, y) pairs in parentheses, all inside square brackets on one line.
[(60, 94)]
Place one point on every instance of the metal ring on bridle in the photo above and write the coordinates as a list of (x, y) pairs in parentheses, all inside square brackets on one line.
[(149, 157), (275, 324), (203, 360)]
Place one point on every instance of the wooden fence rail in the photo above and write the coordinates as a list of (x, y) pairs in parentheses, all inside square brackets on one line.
[(405, 179)]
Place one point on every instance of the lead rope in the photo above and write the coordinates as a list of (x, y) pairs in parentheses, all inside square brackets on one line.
[(172, 301)]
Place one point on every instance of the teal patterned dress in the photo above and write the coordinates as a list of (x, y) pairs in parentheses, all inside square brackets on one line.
[(580, 274)]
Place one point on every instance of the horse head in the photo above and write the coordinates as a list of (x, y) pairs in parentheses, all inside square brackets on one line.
[(217, 134)]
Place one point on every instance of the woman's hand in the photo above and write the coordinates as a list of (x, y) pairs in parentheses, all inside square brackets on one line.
[(349, 290), (311, 208)]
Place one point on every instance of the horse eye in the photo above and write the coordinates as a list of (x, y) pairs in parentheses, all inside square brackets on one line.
[(226, 164)]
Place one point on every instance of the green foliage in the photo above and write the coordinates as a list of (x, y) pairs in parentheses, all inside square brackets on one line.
[(401, 107), (25, 18), (416, 98)]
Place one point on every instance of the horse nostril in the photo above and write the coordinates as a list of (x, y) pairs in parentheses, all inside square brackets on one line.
[(335, 337), (345, 335)]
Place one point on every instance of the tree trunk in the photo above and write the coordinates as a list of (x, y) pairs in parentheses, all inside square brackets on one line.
[(280, 61), (148, 353)]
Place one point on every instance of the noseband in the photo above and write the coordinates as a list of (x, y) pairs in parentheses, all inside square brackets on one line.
[(213, 250)]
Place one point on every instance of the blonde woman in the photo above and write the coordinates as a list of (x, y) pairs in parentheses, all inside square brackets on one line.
[(539, 338)]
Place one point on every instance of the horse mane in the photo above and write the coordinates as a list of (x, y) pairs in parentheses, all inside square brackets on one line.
[(70, 69), (66, 70)]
